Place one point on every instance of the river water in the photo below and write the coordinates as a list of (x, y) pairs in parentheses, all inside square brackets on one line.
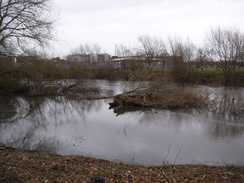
[(151, 137)]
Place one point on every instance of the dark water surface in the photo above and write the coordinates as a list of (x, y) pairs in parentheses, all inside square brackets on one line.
[(152, 137)]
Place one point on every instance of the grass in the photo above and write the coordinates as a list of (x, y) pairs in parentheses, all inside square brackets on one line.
[(31, 167), (213, 69)]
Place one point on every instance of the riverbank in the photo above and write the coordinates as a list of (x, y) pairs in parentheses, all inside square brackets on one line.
[(44, 78), (18, 166)]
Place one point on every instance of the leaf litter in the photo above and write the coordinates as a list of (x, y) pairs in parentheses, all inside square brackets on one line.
[(17, 166)]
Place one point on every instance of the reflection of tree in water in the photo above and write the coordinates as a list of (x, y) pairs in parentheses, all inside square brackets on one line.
[(209, 121), (123, 110), (7, 109), (223, 118), (225, 129), (228, 107), (57, 110), (42, 114), (166, 117), (12, 108)]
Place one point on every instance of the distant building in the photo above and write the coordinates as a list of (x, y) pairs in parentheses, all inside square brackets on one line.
[(79, 58), (103, 57), (88, 57), (61, 63), (142, 62), (90, 61)]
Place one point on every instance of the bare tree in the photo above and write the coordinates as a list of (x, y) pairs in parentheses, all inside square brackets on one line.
[(190, 49), (85, 53), (123, 51), (187, 50), (80, 50), (226, 46), (176, 47), (87, 49), (202, 58), (96, 48), (24, 23), (151, 48)]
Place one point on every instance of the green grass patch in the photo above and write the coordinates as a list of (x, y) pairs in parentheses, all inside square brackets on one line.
[(213, 69)]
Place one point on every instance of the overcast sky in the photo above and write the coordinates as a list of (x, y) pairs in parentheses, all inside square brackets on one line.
[(111, 22)]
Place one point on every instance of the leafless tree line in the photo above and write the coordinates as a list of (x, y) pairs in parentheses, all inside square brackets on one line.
[(225, 46), (26, 24), (86, 49)]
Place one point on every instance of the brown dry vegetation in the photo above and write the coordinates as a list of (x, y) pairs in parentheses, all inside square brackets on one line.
[(191, 76), (180, 76), (31, 167), (40, 76), (160, 95)]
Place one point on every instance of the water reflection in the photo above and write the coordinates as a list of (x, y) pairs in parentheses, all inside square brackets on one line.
[(155, 137), (8, 107)]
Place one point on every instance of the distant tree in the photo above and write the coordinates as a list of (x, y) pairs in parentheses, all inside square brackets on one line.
[(186, 51), (123, 51), (202, 58), (175, 47), (85, 52), (190, 51), (226, 46), (24, 23), (151, 47), (87, 49), (96, 48)]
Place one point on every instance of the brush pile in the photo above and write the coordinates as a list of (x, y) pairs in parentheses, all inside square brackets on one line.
[(166, 97)]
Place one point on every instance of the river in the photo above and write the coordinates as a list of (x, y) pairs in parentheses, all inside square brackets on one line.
[(150, 136)]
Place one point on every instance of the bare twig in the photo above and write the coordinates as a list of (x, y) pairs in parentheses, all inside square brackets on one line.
[(167, 154), (178, 154)]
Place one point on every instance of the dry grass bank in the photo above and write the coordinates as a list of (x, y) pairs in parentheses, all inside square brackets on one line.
[(31, 167)]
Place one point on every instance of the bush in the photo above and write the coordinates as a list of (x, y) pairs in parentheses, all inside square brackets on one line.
[(10, 76), (34, 77)]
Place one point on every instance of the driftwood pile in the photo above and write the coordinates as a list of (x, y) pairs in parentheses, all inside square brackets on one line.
[(167, 98)]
